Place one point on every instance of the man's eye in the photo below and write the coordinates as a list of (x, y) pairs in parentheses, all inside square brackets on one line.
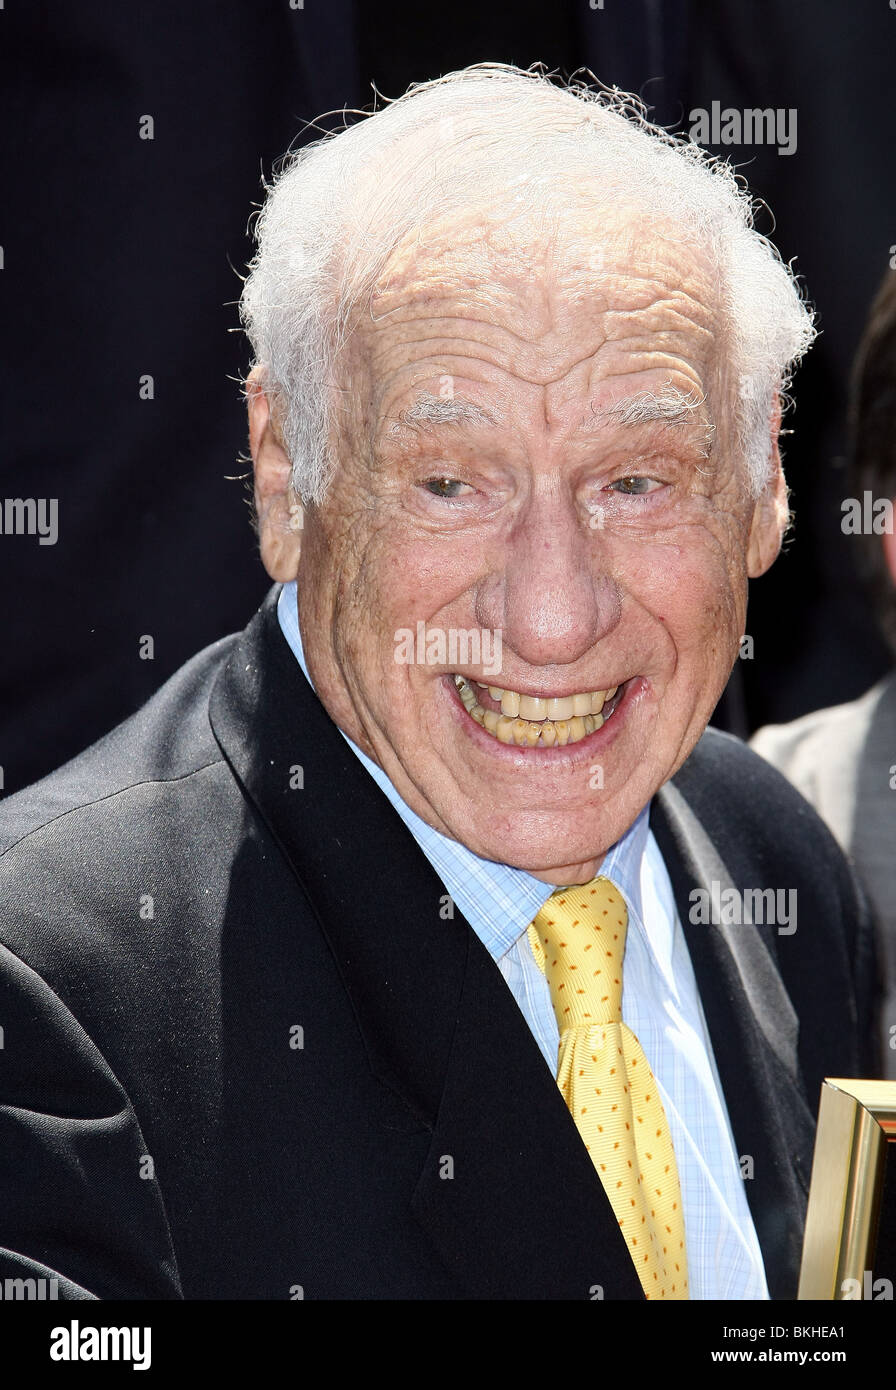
[(444, 487), (634, 486)]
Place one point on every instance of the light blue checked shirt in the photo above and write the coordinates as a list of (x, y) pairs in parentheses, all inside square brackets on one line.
[(660, 1004)]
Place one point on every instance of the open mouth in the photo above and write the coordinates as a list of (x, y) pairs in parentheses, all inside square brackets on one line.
[(530, 721)]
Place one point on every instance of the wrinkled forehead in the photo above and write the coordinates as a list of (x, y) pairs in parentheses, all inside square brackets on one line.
[(583, 250), (542, 288)]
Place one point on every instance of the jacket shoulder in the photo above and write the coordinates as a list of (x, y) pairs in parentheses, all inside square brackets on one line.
[(168, 739), (759, 823), (744, 799), (728, 815)]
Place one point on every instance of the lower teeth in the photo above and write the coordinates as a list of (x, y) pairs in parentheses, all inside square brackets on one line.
[(527, 733)]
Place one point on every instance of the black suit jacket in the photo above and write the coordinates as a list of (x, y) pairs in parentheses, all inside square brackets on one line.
[(245, 1053)]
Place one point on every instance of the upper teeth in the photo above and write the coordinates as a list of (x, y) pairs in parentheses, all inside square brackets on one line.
[(530, 719), (533, 707)]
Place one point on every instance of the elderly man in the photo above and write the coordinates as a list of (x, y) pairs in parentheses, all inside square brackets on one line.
[(419, 942)]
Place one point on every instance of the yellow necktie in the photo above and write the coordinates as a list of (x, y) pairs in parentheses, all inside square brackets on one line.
[(578, 940)]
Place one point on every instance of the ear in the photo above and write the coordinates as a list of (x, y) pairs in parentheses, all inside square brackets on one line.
[(277, 507), (771, 512)]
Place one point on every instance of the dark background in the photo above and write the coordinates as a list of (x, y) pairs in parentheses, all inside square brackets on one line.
[(121, 259)]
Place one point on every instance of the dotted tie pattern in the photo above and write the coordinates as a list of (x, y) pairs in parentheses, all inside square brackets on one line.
[(578, 940)]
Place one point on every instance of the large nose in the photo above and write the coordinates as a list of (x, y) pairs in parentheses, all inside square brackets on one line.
[(555, 597)]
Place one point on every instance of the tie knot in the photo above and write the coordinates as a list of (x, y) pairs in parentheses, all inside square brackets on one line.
[(578, 940)]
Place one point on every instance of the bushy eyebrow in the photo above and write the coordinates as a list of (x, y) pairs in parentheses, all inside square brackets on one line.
[(436, 410), (668, 406)]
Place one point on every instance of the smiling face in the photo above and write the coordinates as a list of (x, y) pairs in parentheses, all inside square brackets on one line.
[(535, 443)]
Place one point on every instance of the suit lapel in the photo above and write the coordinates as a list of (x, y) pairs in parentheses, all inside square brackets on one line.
[(753, 1031), (523, 1214), (508, 1193)]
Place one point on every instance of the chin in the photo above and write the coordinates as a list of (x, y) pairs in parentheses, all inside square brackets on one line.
[(523, 847)]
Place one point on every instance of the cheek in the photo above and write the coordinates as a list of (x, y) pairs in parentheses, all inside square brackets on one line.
[(392, 589), (404, 578), (691, 588)]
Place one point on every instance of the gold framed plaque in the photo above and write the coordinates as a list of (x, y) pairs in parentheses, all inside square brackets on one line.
[(849, 1247)]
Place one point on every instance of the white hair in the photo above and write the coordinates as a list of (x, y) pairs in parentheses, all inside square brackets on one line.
[(494, 136)]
